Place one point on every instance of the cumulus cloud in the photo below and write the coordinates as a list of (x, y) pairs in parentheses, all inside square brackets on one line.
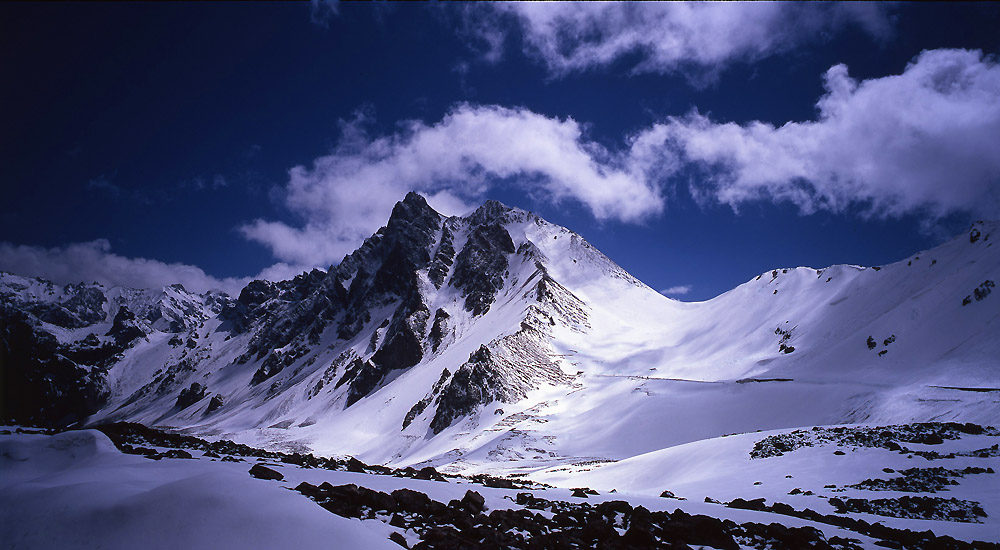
[(664, 37), (924, 141), (346, 195), (94, 261), (679, 290), (921, 142)]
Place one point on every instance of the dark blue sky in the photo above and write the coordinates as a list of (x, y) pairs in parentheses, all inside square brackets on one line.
[(165, 127)]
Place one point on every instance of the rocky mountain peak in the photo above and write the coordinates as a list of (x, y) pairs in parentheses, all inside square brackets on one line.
[(491, 212), (413, 211)]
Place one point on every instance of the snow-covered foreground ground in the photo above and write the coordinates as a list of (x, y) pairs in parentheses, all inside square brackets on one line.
[(76, 490)]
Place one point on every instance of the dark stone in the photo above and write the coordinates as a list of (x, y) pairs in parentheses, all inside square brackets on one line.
[(398, 539), (983, 290), (191, 395), (214, 404), (412, 501), (263, 472), (175, 453), (429, 473), (754, 504), (355, 465), (932, 439), (474, 502)]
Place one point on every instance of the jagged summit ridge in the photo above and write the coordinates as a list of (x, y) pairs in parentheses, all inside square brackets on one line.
[(370, 317)]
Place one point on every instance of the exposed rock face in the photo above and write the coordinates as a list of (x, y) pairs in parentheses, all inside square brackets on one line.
[(191, 395), (444, 257), (84, 308), (292, 315), (419, 407), (214, 404), (125, 328), (49, 381), (481, 265), (40, 381), (439, 329), (382, 293), (475, 383)]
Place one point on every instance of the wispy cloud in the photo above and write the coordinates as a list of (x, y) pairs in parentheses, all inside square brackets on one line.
[(679, 290), (201, 183), (94, 261), (321, 11), (103, 184), (924, 141), (346, 195), (662, 37)]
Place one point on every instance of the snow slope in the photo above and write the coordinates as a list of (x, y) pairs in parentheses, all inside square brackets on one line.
[(75, 490)]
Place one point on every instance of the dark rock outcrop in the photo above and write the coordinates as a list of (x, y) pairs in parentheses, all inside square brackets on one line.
[(263, 472), (40, 382), (214, 404), (480, 266), (125, 329), (475, 383), (191, 395)]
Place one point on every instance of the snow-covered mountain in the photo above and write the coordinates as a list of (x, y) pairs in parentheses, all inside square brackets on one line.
[(499, 342)]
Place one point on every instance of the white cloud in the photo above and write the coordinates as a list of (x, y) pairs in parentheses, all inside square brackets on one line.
[(94, 261), (346, 195), (924, 141), (921, 142), (664, 37), (679, 290), (282, 272)]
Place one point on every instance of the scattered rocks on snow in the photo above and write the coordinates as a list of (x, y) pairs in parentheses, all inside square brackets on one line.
[(919, 480), (916, 507), (926, 433)]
